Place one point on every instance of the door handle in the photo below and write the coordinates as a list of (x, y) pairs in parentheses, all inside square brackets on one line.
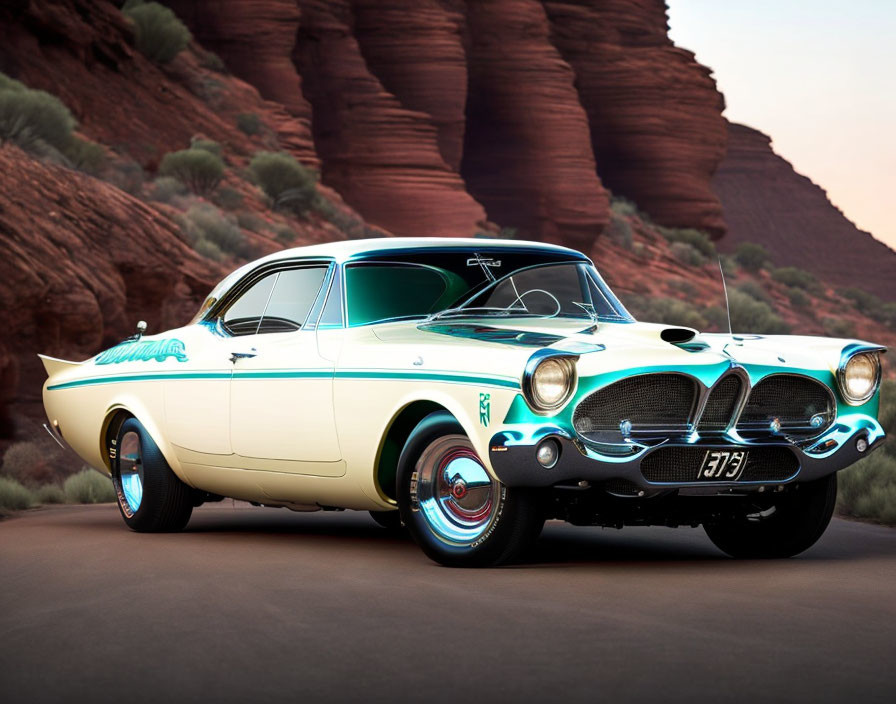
[(234, 356)]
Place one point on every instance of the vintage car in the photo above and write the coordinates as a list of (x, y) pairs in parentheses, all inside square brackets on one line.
[(467, 390)]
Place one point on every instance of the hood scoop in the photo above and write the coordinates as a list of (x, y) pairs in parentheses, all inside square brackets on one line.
[(678, 336)]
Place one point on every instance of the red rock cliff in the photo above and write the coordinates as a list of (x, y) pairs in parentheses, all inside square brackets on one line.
[(766, 201)]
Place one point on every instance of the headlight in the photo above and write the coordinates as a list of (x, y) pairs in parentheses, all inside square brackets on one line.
[(549, 382), (859, 377)]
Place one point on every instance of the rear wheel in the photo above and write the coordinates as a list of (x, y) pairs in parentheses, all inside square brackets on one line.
[(151, 498), (453, 509), (792, 524)]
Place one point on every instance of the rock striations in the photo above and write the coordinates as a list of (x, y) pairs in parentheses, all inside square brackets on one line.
[(766, 201)]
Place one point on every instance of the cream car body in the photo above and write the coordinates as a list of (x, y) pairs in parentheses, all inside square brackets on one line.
[(317, 416)]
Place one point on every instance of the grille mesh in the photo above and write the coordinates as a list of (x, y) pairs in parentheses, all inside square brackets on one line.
[(793, 400), (721, 404), (681, 464), (652, 402)]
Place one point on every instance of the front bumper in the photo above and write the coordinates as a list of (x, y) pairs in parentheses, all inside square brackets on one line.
[(512, 454)]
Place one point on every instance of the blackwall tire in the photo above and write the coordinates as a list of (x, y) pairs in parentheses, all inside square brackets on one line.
[(798, 521), (453, 509), (151, 498)]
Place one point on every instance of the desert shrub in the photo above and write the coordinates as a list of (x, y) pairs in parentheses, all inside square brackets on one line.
[(14, 496), (286, 182), (88, 487), (249, 123), (887, 413), (35, 462), (127, 175), (85, 156), (623, 207), (228, 198), (166, 188), (285, 234), (887, 314), (863, 300), (160, 35), (729, 265), (671, 311), (620, 231), (251, 222), (49, 494), (751, 256), (691, 236), (33, 119), (868, 489), (687, 254), (749, 315), (797, 278), (685, 287), (798, 297), (639, 249), (208, 145), (200, 170), (213, 62), (754, 290), (212, 233), (839, 327), (506, 233)]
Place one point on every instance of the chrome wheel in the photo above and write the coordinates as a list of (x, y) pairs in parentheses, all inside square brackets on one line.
[(454, 492), (130, 473)]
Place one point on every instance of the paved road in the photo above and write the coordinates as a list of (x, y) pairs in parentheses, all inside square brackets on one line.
[(271, 605)]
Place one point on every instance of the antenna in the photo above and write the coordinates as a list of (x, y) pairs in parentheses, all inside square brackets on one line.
[(727, 305)]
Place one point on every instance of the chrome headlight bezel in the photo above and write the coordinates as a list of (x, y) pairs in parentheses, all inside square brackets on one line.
[(849, 357), (533, 398)]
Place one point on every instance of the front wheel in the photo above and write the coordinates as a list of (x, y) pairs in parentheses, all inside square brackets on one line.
[(151, 498), (453, 509), (792, 524)]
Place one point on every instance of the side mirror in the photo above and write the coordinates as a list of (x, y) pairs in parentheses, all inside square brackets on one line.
[(141, 328)]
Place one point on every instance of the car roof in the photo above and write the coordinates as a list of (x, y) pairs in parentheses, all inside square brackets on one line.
[(358, 250)]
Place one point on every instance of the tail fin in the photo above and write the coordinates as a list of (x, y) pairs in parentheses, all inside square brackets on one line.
[(54, 365)]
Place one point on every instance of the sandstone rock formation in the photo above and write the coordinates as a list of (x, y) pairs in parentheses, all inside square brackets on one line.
[(81, 261), (654, 112), (766, 201)]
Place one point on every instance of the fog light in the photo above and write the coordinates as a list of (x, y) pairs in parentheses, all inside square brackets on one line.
[(548, 453), (861, 444)]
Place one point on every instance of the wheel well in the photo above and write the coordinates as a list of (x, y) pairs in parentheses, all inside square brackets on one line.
[(110, 431), (396, 437)]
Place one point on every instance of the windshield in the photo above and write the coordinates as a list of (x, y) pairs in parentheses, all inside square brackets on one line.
[(462, 283)]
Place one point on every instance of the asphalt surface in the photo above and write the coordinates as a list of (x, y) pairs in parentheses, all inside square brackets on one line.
[(268, 605)]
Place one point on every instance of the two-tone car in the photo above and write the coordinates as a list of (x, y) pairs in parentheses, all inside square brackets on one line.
[(467, 390)]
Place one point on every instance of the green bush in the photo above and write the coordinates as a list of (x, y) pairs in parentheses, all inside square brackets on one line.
[(213, 62), (887, 413), (166, 188), (249, 123), (700, 241), (251, 222), (14, 496), (285, 235), (754, 290), (200, 170), (687, 254), (887, 314), (286, 182), (623, 207), (160, 35), (796, 278), (85, 156), (35, 462), (620, 231), (748, 315), (798, 297), (729, 265), (49, 494), (88, 487), (208, 145), (33, 119), (868, 489), (863, 300), (212, 233), (127, 175), (838, 327), (228, 198), (670, 311), (751, 256)]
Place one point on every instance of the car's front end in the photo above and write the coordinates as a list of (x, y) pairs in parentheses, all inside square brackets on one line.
[(641, 416)]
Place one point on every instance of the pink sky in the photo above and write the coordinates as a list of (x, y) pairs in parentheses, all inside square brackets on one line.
[(820, 79)]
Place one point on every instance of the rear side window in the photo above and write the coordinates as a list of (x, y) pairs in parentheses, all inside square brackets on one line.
[(279, 302), (376, 292)]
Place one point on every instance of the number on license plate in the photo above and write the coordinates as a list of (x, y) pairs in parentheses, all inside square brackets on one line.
[(722, 465)]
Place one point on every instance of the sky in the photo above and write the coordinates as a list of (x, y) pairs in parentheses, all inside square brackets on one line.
[(818, 77)]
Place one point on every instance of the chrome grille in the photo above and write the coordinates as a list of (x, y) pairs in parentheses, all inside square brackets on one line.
[(654, 404), (680, 465), (796, 402), (721, 404)]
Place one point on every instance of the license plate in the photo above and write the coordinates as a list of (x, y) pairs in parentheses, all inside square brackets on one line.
[(722, 465)]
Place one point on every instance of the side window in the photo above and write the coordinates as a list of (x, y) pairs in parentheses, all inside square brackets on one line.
[(331, 317), (279, 302), (294, 293), (244, 315)]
